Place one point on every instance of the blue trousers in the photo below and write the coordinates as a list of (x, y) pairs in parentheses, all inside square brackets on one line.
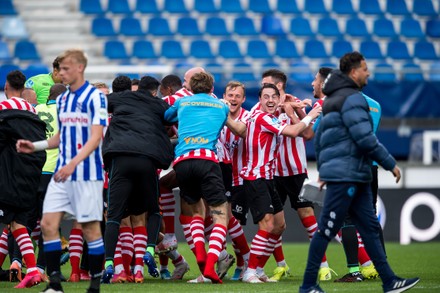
[(355, 199)]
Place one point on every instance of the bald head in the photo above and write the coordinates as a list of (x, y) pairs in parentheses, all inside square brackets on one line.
[(29, 95), (189, 74)]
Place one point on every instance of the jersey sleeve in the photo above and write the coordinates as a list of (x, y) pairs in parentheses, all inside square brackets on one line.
[(271, 124), (99, 109)]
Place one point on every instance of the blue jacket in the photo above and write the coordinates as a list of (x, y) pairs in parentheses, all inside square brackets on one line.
[(345, 143)]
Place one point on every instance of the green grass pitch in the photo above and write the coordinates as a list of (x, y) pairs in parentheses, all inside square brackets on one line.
[(418, 259)]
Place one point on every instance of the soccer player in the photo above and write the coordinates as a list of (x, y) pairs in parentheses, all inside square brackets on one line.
[(42, 83), (169, 85), (20, 173), (261, 130), (345, 145), (76, 187)]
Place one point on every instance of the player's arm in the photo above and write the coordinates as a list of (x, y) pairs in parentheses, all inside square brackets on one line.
[(295, 112), (28, 147), (237, 127), (296, 129)]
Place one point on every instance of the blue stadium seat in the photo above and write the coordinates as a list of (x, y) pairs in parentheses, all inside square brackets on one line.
[(175, 6), (5, 55), (115, 50), (315, 7), (288, 7), (300, 72), (328, 64), (398, 50), (205, 6), (216, 71), (119, 7), (243, 72), (257, 49), (131, 27), (244, 26), (13, 28), (285, 48), (143, 49), (370, 7), (425, 50), (91, 7), (340, 47), (424, 8), (146, 6), (270, 65), (201, 49), (384, 28), (35, 69), (231, 6), (260, 6), (434, 71), (384, 72), (26, 50), (433, 28), (314, 49), (272, 26), (412, 72), (216, 26), (371, 50), (7, 8), (343, 7), (328, 27), (4, 70), (397, 7), (172, 49), (356, 27), (158, 26), (300, 26), (103, 27), (187, 26), (410, 28), (229, 49)]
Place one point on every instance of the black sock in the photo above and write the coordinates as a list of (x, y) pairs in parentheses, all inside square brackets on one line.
[(41, 260), (95, 263), (111, 238), (53, 261), (153, 228), (350, 243)]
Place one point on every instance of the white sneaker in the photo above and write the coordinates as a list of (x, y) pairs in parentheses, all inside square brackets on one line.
[(181, 269), (168, 243), (200, 279), (264, 278), (224, 265), (251, 278)]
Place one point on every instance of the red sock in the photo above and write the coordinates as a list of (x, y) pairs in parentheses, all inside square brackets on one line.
[(75, 249), (168, 207), (140, 244), (216, 245), (117, 259), (185, 222), (269, 249), (27, 249), (163, 260), (311, 226), (35, 234), (197, 234), (3, 245), (278, 253), (127, 247), (258, 246), (209, 225), (239, 241), (362, 253)]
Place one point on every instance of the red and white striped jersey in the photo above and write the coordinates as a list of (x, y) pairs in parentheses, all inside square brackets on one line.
[(204, 154), (17, 104), (222, 153), (183, 92), (234, 146), (261, 145)]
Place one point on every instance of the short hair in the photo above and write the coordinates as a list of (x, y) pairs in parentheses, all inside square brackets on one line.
[(277, 76), (201, 82), (121, 83), (350, 61), (76, 54), (270, 86), (16, 80), (56, 63), (172, 81), (135, 81), (148, 83), (100, 85), (235, 84), (324, 72)]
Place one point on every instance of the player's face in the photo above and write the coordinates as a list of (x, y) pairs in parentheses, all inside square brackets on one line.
[(56, 76), (269, 100), (70, 71), (317, 86), (165, 91), (361, 74), (235, 96)]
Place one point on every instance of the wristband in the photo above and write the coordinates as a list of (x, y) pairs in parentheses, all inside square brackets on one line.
[(306, 120), (40, 145)]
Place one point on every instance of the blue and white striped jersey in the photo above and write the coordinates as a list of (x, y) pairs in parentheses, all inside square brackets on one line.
[(77, 112)]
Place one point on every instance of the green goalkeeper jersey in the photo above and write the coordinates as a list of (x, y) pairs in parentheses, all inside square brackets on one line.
[(41, 85), (48, 113)]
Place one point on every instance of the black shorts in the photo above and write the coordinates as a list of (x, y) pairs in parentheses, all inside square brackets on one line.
[(133, 187), (200, 178), (262, 198), (291, 186), (10, 214), (227, 179), (239, 204)]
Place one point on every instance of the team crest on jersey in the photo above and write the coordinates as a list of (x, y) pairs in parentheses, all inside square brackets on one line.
[(29, 83)]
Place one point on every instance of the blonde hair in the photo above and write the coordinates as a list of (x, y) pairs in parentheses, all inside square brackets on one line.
[(235, 84), (76, 54), (100, 85)]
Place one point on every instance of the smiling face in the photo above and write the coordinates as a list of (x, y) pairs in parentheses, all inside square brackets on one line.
[(361, 74), (269, 100), (234, 94), (317, 86)]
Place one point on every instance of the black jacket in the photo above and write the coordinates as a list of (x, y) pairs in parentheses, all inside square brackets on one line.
[(137, 128), (20, 173)]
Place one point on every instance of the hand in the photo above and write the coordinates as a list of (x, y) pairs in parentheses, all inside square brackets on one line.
[(321, 184), (64, 172), (25, 146), (227, 103), (315, 112), (307, 102), (397, 173)]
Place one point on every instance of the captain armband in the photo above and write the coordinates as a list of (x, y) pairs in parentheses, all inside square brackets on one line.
[(306, 120)]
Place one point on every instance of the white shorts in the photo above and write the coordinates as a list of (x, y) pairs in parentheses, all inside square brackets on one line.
[(81, 199)]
